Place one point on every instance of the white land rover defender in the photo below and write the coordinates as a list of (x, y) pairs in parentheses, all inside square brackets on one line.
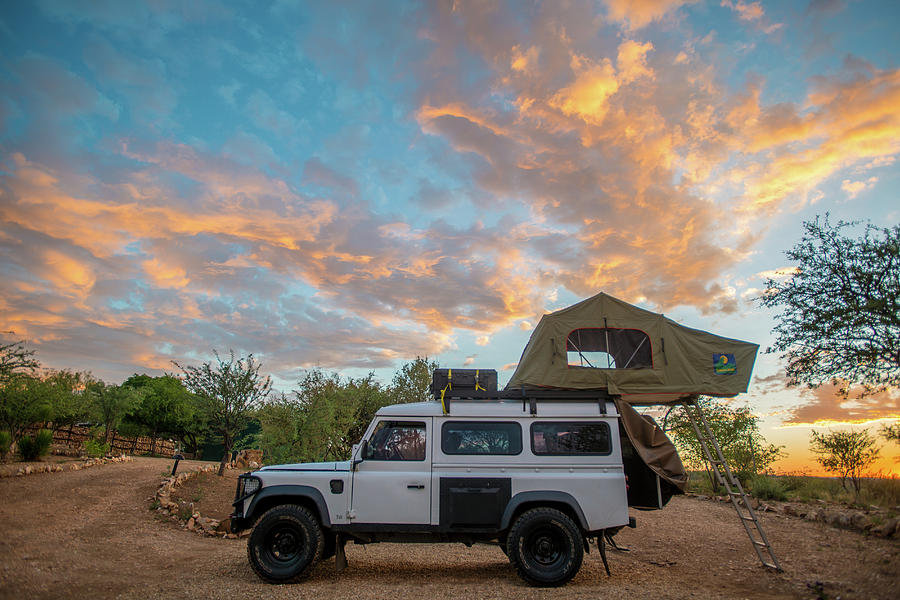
[(539, 473)]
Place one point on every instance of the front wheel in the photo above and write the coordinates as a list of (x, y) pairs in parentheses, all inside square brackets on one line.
[(286, 541), (545, 546)]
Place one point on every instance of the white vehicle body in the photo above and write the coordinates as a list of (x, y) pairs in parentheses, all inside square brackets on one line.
[(420, 475)]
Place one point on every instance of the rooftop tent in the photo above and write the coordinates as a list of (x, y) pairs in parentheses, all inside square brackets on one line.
[(642, 356)]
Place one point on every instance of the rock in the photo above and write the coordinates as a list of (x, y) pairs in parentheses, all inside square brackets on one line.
[(20, 472), (816, 514), (245, 457), (28, 469), (887, 528), (858, 520), (190, 524), (897, 530), (224, 525), (231, 536), (253, 464)]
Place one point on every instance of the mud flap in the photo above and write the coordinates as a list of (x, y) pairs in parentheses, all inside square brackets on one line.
[(340, 558), (601, 546)]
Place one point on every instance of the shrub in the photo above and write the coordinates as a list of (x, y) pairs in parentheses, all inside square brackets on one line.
[(765, 487), (33, 447), (95, 448)]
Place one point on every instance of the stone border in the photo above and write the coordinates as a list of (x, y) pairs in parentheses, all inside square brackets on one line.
[(196, 523), (31, 469), (875, 522)]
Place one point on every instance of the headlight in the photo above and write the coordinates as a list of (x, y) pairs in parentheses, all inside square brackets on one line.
[(251, 486), (246, 486)]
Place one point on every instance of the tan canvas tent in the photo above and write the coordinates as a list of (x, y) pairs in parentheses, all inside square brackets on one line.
[(641, 356)]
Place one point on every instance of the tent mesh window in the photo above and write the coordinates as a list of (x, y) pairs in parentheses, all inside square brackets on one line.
[(608, 348)]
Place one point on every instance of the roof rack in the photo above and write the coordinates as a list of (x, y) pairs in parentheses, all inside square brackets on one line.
[(527, 396)]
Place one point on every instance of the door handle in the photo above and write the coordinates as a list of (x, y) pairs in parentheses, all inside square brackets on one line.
[(416, 486)]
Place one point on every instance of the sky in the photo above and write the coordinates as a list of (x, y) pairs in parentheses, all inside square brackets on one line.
[(350, 185)]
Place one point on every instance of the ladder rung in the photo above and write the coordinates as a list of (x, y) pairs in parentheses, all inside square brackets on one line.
[(760, 544), (747, 518)]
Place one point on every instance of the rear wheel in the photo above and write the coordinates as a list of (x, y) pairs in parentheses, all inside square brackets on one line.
[(545, 546), (286, 541)]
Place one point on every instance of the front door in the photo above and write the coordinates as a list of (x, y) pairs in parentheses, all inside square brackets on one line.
[(393, 482)]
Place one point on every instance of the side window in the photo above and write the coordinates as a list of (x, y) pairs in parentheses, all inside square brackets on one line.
[(397, 440), (466, 437), (567, 439), (608, 348)]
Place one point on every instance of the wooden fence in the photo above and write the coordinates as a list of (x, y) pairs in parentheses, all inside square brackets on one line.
[(72, 439)]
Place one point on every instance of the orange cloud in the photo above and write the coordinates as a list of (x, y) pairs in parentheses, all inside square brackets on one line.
[(638, 13), (587, 95), (827, 406)]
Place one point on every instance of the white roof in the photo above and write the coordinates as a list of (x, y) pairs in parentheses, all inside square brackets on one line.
[(498, 408)]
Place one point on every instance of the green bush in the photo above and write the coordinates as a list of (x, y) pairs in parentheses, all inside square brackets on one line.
[(5, 440), (33, 447), (765, 487), (95, 448)]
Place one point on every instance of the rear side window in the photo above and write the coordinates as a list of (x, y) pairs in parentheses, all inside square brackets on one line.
[(467, 437), (567, 439)]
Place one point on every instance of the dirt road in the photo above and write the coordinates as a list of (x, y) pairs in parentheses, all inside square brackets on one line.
[(89, 534)]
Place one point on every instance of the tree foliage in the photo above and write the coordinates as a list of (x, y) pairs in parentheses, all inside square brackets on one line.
[(69, 397), (891, 432), (113, 403), (327, 414), (840, 319), (16, 360), (412, 383), (229, 391), (847, 453), (165, 405), (23, 402), (737, 431)]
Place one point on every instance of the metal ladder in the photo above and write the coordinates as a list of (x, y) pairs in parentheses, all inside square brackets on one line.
[(731, 484)]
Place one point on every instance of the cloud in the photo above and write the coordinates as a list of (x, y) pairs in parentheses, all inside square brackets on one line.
[(855, 188), (826, 405), (635, 14)]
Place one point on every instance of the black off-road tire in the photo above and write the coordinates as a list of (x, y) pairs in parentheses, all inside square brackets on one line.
[(545, 546), (285, 543)]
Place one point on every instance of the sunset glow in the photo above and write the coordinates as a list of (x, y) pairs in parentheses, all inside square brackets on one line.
[(349, 186)]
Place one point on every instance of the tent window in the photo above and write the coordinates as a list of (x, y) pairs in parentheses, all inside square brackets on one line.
[(608, 348)]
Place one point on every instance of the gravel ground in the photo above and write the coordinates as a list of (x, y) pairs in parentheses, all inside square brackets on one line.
[(90, 534)]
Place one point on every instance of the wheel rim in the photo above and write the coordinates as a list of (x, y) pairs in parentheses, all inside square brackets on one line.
[(284, 544), (546, 546)]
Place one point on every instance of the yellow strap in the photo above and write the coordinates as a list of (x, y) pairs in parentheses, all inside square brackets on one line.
[(449, 386), (478, 385)]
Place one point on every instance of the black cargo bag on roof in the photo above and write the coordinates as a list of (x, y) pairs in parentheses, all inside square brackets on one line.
[(457, 381)]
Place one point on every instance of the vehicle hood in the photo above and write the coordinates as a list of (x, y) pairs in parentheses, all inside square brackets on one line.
[(342, 465)]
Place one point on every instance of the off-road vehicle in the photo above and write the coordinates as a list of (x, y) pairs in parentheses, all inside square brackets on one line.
[(540, 476)]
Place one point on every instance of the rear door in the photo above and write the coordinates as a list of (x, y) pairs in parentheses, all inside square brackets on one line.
[(392, 485)]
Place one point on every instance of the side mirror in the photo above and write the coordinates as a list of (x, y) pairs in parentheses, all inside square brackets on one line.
[(359, 452)]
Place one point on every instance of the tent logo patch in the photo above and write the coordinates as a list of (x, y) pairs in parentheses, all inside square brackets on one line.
[(723, 364)]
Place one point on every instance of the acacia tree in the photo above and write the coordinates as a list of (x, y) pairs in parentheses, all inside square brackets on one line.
[(840, 319), (228, 392), (164, 406), (891, 432), (737, 431), (847, 453), (412, 383), (16, 360), (112, 403)]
